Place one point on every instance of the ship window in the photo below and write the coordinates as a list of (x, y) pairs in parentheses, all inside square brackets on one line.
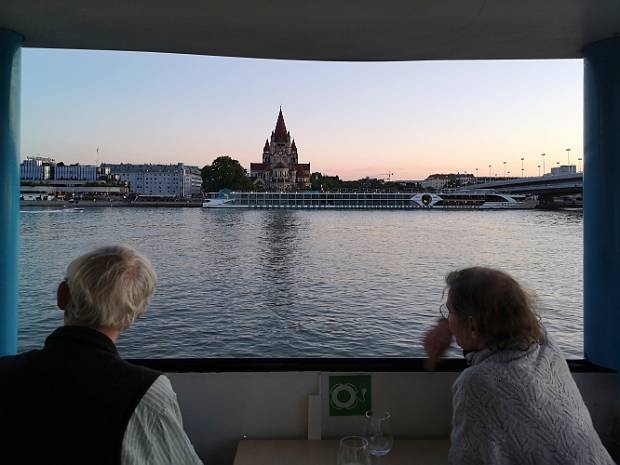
[(349, 273)]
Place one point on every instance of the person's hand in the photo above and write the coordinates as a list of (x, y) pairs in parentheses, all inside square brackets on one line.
[(436, 343)]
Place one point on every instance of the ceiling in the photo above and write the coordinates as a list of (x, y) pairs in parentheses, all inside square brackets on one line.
[(357, 30)]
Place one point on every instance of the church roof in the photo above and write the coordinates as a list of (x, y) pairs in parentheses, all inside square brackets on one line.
[(266, 145), (281, 131), (259, 167), (303, 167)]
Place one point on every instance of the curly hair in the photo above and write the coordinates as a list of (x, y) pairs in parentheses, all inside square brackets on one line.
[(500, 308)]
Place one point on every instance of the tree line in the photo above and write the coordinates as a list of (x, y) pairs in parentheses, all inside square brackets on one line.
[(227, 173)]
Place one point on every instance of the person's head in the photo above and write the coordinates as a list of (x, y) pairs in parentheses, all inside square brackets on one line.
[(489, 309), (107, 288)]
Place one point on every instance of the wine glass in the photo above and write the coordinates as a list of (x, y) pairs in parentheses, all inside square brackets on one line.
[(378, 432), (353, 451)]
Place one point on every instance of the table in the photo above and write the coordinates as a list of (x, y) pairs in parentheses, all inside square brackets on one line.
[(302, 452)]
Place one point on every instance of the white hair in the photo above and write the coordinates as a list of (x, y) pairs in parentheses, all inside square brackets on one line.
[(110, 287)]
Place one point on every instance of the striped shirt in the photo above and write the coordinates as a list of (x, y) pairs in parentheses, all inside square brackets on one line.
[(155, 434)]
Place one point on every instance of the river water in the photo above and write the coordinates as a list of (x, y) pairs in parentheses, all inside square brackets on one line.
[(282, 283)]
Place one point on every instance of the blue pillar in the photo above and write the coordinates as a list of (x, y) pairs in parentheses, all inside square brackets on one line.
[(601, 194), (10, 71)]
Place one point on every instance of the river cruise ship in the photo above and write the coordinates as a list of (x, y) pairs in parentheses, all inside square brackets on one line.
[(482, 200)]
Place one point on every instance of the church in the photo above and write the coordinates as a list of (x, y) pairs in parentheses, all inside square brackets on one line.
[(280, 169)]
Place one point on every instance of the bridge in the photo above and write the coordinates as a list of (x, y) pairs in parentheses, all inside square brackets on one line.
[(543, 186)]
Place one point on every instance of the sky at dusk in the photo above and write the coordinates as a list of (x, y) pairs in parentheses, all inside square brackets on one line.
[(349, 119)]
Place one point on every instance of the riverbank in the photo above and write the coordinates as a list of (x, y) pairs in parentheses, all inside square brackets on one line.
[(115, 203)]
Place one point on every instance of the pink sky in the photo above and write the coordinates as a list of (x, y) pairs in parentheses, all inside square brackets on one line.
[(351, 119)]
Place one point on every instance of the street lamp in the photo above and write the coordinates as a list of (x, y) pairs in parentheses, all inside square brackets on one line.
[(538, 170), (504, 169), (543, 157), (490, 170), (579, 160), (476, 172), (522, 158), (568, 155)]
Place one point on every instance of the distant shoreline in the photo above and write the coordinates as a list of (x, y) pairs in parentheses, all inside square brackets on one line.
[(108, 204)]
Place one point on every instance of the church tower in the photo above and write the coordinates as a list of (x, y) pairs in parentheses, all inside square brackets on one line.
[(280, 169), (280, 147)]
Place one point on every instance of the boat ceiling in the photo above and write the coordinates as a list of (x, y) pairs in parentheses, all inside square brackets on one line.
[(347, 30)]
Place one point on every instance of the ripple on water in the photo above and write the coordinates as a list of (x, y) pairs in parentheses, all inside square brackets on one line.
[(302, 283)]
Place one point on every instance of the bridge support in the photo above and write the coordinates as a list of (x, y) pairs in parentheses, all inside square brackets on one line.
[(10, 73), (601, 195)]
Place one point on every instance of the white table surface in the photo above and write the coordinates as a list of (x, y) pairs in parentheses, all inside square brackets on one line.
[(301, 452)]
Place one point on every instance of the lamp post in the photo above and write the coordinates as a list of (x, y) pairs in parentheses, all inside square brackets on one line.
[(543, 158), (490, 170), (568, 155), (504, 169), (579, 160), (476, 172), (538, 170), (522, 158)]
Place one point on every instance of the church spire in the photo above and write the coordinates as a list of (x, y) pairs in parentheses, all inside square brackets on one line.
[(266, 147), (280, 132)]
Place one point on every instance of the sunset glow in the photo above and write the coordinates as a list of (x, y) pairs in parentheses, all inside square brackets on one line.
[(348, 119)]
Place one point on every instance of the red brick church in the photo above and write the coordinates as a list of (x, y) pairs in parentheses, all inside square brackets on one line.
[(280, 169)]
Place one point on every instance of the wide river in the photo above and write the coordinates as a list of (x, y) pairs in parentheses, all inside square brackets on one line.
[(290, 283)]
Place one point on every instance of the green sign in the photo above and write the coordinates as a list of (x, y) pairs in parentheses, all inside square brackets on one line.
[(349, 395)]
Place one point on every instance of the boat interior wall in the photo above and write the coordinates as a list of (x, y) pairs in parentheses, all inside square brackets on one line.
[(601, 219), (364, 30), (10, 80), (220, 409)]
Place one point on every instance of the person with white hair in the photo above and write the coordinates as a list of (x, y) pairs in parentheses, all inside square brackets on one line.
[(76, 401)]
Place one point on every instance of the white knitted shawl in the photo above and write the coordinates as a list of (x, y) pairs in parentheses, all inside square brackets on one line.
[(521, 407)]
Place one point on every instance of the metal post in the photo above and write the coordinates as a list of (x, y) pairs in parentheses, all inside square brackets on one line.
[(601, 202), (10, 70)]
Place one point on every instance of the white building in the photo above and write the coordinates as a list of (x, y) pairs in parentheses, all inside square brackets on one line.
[(36, 168), (68, 189), (79, 172), (562, 169), (179, 181), (439, 181)]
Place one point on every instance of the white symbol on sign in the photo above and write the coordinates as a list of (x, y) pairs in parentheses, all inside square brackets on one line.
[(350, 402)]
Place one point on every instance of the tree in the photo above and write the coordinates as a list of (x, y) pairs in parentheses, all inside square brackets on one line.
[(319, 182), (225, 173)]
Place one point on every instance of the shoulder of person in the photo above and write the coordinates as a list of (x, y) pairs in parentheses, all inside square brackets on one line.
[(160, 396), (475, 378), (15, 364)]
